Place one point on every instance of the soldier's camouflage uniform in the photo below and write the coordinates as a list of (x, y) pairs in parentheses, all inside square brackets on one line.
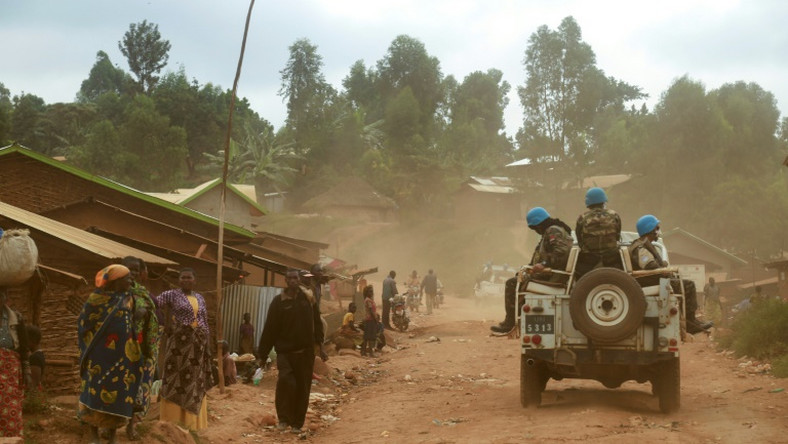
[(553, 252), (645, 256), (598, 231)]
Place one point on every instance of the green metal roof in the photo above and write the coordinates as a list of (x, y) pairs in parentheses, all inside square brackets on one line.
[(16, 148), (213, 184)]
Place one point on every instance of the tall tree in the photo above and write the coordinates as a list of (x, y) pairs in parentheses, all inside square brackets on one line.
[(474, 138), (27, 120), (159, 149), (752, 115), (360, 90), (408, 65), (563, 94), (304, 88), (146, 53), (104, 77), (6, 107)]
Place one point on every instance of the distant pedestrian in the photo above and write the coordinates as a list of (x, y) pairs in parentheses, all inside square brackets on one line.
[(294, 328), (247, 335), (388, 292), (230, 372), (711, 291), (370, 323), (429, 285)]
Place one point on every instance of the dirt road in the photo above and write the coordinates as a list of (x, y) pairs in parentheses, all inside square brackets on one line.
[(450, 382), (465, 389)]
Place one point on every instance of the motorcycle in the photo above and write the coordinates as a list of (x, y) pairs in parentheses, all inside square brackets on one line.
[(399, 312), (413, 298), (438, 298)]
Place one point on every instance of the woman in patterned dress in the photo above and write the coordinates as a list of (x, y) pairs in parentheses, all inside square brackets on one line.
[(186, 373), (111, 364), (145, 321), (13, 365)]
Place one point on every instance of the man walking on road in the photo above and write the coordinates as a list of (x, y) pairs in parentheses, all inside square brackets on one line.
[(293, 326), (430, 286), (389, 291)]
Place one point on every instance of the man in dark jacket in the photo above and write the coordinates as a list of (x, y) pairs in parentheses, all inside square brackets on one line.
[(292, 326), (429, 285)]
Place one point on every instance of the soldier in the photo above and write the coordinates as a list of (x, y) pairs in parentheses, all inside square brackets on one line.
[(552, 251), (645, 256), (598, 231)]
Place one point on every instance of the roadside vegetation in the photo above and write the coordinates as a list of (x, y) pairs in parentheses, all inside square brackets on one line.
[(761, 332)]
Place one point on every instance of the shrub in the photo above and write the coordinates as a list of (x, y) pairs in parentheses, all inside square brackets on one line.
[(761, 331), (780, 366)]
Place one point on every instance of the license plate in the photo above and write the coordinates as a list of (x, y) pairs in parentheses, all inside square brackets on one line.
[(542, 324)]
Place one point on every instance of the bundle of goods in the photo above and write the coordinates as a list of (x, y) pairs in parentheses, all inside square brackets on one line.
[(18, 257)]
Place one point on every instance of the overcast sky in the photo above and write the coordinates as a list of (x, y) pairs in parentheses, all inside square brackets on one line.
[(48, 47)]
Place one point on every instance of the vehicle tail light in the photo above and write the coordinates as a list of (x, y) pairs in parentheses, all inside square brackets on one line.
[(673, 342), (536, 339), (526, 339), (674, 311), (526, 308)]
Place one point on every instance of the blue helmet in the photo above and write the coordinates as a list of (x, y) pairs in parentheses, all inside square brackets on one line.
[(595, 195), (536, 216), (646, 224)]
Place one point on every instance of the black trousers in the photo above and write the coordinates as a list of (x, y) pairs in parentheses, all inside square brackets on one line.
[(588, 261), (293, 386), (386, 317), (690, 295)]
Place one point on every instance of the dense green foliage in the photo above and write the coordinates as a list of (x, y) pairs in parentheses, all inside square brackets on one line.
[(706, 160), (761, 332)]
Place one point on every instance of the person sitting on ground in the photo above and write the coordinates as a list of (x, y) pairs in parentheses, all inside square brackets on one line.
[(552, 251), (230, 372), (644, 256), (36, 359), (348, 335)]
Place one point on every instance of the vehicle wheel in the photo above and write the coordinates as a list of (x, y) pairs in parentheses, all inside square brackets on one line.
[(669, 387), (532, 382), (607, 305)]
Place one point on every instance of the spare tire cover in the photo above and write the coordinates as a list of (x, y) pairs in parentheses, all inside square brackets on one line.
[(607, 305)]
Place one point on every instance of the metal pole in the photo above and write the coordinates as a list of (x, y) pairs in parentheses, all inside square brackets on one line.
[(220, 253)]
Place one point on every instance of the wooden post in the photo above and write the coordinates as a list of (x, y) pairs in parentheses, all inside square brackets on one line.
[(220, 253)]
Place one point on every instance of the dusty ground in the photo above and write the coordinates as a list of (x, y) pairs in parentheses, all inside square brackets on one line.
[(463, 388)]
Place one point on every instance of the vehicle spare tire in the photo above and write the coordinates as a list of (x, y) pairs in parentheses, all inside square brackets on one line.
[(607, 305)]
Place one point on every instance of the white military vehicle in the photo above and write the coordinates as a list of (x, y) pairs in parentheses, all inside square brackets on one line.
[(605, 327), (491, 282)]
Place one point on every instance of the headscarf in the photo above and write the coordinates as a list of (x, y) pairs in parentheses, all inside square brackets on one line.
[(109, 274)]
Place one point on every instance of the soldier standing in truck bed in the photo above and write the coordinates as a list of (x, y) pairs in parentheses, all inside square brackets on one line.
[(598, 231)]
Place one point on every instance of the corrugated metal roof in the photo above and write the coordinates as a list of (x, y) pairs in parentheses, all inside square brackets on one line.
[(599, 181), (520, 162), (125, 189), (87, 241), (492, 188)]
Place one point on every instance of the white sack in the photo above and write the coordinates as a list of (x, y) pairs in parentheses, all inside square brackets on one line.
[(18, 257)]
